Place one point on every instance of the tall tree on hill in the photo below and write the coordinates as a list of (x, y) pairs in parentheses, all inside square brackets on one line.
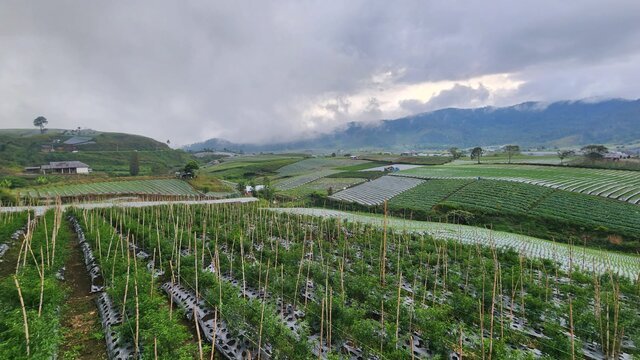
[(476, 153), (134, 164), (511, 150), (594, 152), (40, 122), (563, 154)]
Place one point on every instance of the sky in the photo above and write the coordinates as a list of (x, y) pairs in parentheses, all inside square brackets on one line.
[(272, 71)]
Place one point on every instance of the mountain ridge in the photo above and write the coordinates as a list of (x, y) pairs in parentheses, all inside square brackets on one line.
[(561, 123)]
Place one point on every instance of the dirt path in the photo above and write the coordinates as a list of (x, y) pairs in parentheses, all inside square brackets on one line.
[(83, 337)]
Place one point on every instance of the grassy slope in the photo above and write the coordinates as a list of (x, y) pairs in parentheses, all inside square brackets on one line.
[(110, 153)]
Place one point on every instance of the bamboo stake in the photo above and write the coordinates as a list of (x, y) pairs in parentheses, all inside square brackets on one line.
[(24, 314)]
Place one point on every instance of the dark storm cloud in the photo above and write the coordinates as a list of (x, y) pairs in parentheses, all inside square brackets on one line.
[(190, 70)]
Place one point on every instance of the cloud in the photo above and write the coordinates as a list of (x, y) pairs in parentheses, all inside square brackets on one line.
[(457, 96), (263, 71)]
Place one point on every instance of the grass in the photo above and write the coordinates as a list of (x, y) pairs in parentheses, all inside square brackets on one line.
[(206, 183)]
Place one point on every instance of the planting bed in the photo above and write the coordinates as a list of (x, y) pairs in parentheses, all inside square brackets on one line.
[(377, 191), (299, 180), (31, 292), (165, 187), (505, 197), (293, 286), (618, 184)]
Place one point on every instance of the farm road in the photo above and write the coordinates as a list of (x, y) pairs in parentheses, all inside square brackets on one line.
[(39, 210)]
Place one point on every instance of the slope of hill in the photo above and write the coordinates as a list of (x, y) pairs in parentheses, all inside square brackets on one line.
[(103, 151), (564, 123)]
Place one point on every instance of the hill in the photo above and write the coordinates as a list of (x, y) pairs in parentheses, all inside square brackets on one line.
[(564, 123), (103, 151)]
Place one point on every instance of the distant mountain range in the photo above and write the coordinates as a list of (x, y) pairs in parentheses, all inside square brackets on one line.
[(563, 123)]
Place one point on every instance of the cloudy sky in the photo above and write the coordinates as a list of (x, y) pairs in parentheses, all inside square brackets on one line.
[(264, 71)]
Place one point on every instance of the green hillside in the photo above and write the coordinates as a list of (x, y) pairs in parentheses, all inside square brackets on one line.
[(102, 151)]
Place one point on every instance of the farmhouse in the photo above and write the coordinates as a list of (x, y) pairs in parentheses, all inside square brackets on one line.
[(60, 167), (616, 155)]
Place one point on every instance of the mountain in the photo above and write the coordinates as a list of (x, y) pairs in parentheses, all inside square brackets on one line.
[(563, 123)]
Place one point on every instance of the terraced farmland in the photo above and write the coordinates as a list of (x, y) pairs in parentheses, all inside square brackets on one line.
[(299, 180), (426, 195), (323, 185), (616, 184), (164, 187), (506, 197), (300, 287), (377, 191), (317, 164), (599, 261)]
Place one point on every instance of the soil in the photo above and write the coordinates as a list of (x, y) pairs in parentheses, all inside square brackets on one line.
[(82, 330)]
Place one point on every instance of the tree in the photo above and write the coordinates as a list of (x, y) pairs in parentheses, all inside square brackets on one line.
[(476, 153), (455, 153), (134, 164), (40, 122), (191, 167), (563, 154), (594, 152), (511, 150)]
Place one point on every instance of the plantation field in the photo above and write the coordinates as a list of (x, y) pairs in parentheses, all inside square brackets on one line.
[(184, 281), (164, 187), (289, 286), (587, 259), (299, 180), (504, 198), (34, 296), (376, 191), (616, 184), (317, 164), (323, 185), (416, 160), (242, 168)]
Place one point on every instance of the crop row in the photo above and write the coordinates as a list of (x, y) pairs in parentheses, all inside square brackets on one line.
[(168, 187), (31, 294), (299, 180), (367, 293), (494, 196), (316, 164), (377, 191), (617, 184)]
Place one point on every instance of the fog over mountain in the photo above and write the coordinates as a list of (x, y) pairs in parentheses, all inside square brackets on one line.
[(265, 71), (565, 123)]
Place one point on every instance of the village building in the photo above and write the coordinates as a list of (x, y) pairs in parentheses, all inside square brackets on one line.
[(616, 155), (60, 167)]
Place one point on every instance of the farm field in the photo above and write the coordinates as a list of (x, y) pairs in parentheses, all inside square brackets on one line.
[(31, 296), (164, 187), (289, 286), (323, 185), (242, 168), (299, 180), (317, 164), (514, 203), (376, 191), (617, 184), (587, 259)]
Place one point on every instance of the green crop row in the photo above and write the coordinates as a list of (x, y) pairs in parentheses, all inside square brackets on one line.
[(168, 187)]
